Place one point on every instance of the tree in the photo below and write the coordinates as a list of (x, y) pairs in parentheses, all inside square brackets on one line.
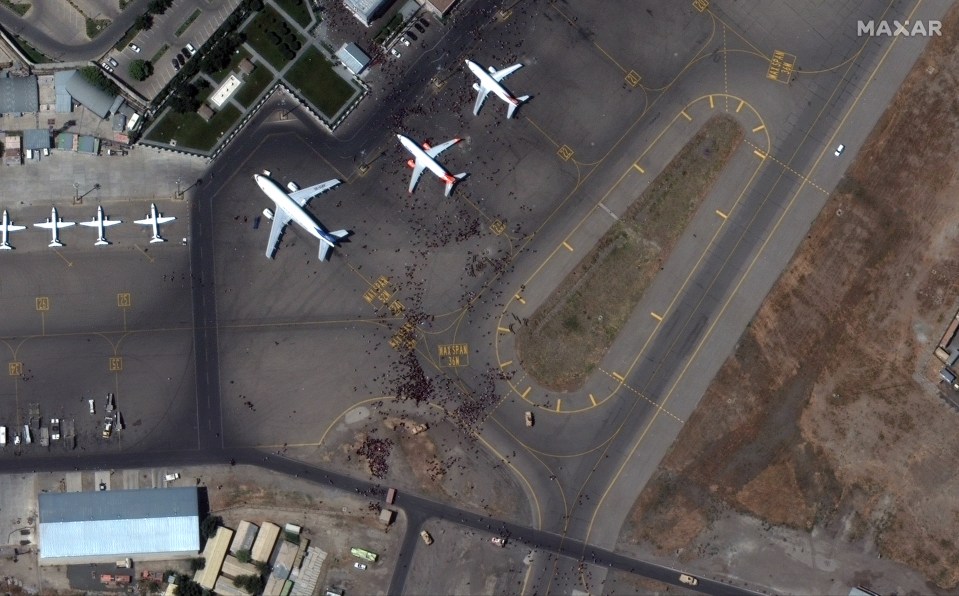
[(210, 523), (141, 70), (197, 563), (243, 555), (99, 80), (188, 587), (185, 101), (144, 22), (251, 583)]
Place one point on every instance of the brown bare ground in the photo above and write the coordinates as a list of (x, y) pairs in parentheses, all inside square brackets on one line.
[(829, 402)]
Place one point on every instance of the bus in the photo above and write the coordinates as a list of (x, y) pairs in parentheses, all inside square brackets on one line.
[(364, 554)]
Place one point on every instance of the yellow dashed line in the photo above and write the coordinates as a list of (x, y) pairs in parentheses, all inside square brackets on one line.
[(759, 128), (559, 402), (525, 393), (641, 170), (618, 377), (721, 214), (740, 106), (592, 399), (654, 404), (505, 364), (655, 316), (792, 171), (686, 116), (567, 246)]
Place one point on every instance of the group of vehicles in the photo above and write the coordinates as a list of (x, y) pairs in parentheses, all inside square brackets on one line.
[(47, 433), (183, 55), (112, 420), (291, 205), (420, 25), (55, 223)]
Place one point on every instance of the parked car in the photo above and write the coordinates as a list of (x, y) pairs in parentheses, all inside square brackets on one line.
[(114, 63), (424, 22), (185, 54), (405, 41), (411, 35), (688, 579), (176, 65), (360, 566), (426, 537), (135, 48), (501, 542), (190, 48), (839, 150), (106, 67), (528, 416), (419, 27), (395, 53), (171, 477)]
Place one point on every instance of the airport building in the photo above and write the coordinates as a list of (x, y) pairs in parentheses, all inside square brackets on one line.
[(353, 58), (103, 526), (366, 10)]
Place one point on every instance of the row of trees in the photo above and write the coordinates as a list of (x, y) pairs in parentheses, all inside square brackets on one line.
[(144, 22)]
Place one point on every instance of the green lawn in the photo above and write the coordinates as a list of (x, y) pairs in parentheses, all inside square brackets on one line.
[(96, 26), (255, 83), (316, 80), (190, 131), (238, 57), (20, 8), (273, 38), (35, 55), (296, 9), (159, 54)]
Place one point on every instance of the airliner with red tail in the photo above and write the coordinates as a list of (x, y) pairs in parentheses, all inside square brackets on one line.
[(425, 158)]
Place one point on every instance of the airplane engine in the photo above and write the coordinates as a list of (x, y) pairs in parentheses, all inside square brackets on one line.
[(268, 214), (475, 87), (411, 163)]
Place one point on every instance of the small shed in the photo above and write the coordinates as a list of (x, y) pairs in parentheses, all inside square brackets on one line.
[(246, 66), (205, 112), (353, 58), (36, 139)]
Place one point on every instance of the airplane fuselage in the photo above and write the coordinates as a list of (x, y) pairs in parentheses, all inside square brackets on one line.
[(297, 214), (421, 156), (490, 83)]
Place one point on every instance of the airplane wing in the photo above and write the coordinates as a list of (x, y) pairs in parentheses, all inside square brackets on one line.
[(417, 172), (91, 224), (55, 224), (481, 93), (13, 228), (502, 74), (165, 219), (325, 251), (302, 197), (280, 219), (434, 151), (144, 222)]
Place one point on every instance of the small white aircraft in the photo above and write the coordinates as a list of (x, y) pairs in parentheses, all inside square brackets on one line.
[(54, 223), (99, 222), (154, 218), (290, 206), (491, 82), (6, 226), (426, 158)]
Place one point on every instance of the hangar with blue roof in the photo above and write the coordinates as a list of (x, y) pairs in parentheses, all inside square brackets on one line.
[(103, 526)]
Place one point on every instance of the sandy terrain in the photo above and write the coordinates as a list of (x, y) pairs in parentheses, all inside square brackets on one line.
[(826, 424)]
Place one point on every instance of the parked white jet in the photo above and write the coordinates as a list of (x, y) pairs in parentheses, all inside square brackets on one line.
[(54, 223), (426, 158), (99, 222), (154, 218), (290, 206), (491, 82), (6, 226)]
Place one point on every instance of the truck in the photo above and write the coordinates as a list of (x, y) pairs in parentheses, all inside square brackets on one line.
[(110, 402), (364, 554), (44, 437), (55, 429), (3, 436), (107, 427), (390, 496), (27, 437)]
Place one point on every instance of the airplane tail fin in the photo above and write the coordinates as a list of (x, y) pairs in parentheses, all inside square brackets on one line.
[(340, 234), (449, 185), (55, 244), (101, 242), (5, 246), (512, 107), (156, 239)]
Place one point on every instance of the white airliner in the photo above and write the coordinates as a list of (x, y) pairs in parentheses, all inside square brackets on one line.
[(54, 223), (290, 206), (426, 158), (99, 222), (6, 226), (491, 82), (154, 219)]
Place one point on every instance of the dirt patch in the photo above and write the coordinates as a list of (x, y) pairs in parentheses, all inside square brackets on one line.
[(573, 329), (827, 416)]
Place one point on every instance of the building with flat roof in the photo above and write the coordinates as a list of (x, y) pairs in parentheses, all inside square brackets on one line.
[(64, 102), (19, 95), (366, 10), (439, 7), (103, 526), (353, 58), (36, 139), (225, 90), (265, 541), (243, 539), (214, 553), (91, 97)]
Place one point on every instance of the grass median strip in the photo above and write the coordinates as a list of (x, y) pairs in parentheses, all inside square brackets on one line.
[(570, 333), (186, 24)]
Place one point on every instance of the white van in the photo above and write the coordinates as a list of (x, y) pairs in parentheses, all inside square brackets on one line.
[(3, 436), (26, 434), (29, 153)]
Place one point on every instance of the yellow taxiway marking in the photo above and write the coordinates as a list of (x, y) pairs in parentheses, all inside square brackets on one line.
[(559, 402), (759, 154), (740, 106), (687, 116), (619, 377), (759, 128), (567, 246), (711, 104), (525, 393), (655, 316), (43, 303), (641, 170), (15, 368), (505, 364), (69, 263), (503, 329), (592, 399), (721, 214), (543, 132), (137, 246), (124, 300), (519, 299)]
